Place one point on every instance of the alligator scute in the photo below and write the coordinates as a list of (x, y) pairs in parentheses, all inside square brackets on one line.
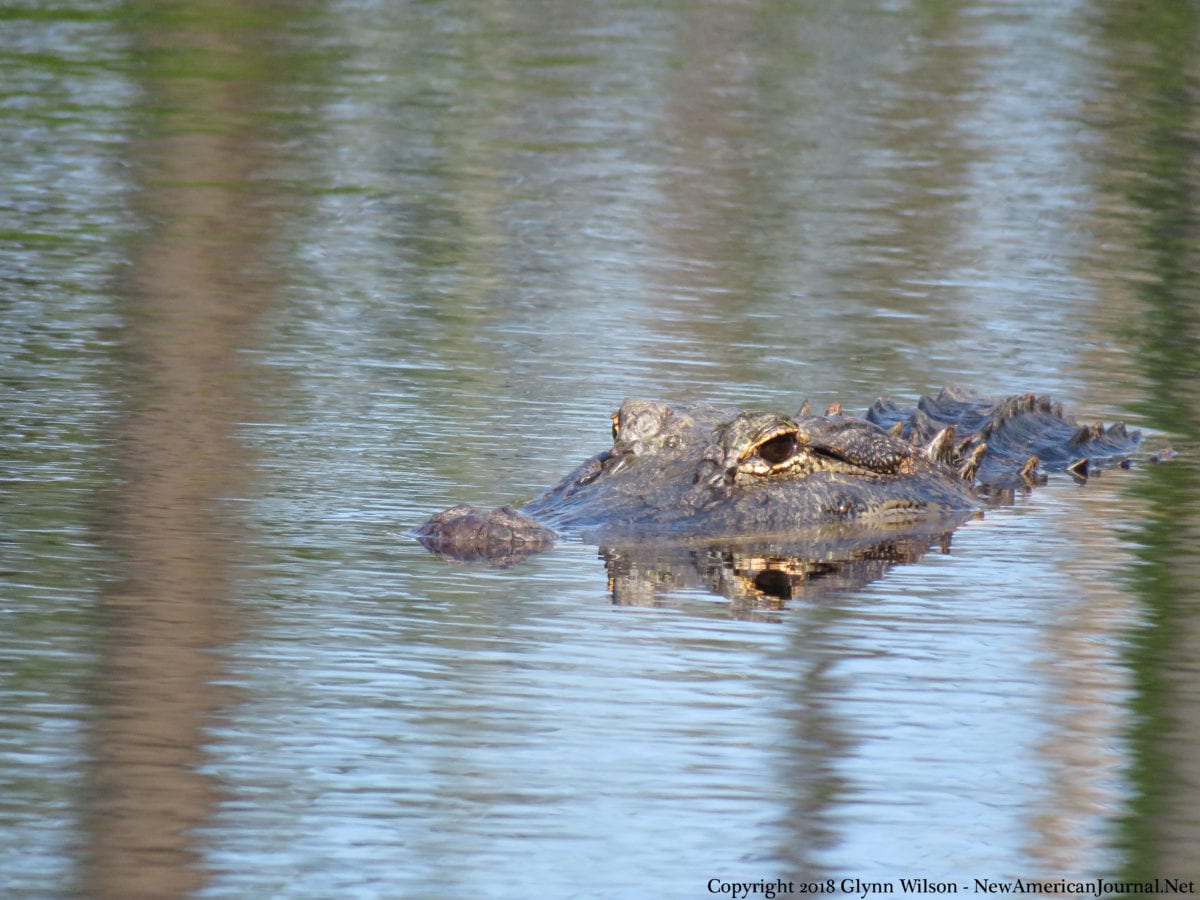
[(679, 473)]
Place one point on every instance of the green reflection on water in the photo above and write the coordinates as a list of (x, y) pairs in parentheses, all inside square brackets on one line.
[(777, 180), (1155, 165)]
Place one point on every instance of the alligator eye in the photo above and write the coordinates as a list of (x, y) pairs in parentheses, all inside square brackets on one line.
[(778, 449), (765, 444)]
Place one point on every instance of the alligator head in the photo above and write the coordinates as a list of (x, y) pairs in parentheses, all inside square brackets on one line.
[(681, 472), (760, 506)]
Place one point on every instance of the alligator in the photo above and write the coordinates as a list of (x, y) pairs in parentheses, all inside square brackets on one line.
[(760, 574), (705, 474)]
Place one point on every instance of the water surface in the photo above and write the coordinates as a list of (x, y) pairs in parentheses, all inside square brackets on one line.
[(278, 283)]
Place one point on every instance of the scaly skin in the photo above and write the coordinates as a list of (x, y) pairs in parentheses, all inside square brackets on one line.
[(695, 471)]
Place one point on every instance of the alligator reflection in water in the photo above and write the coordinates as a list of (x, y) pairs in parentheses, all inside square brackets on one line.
[(843, 494), (759, 576)]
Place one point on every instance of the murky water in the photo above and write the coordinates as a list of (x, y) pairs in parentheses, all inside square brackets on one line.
[(278, 283)]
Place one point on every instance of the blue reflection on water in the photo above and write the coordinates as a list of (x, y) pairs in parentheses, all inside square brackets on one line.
[(496, 229)]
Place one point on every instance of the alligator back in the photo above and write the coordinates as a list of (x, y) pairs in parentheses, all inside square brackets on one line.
[(1001, 436)]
